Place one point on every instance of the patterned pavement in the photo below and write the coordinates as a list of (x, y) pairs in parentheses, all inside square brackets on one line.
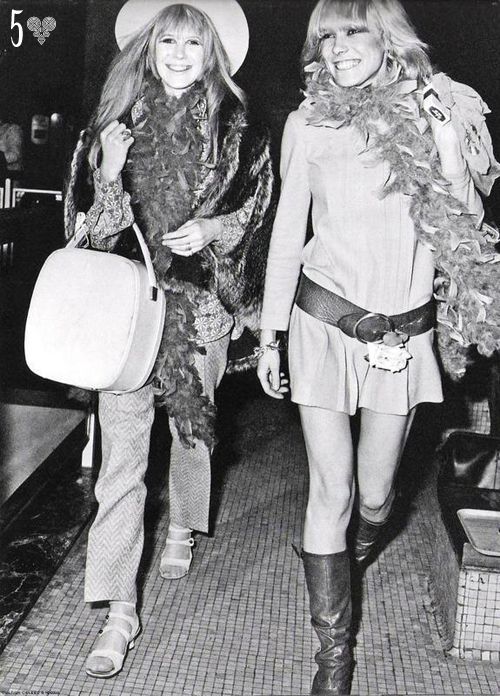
[(238, 624)]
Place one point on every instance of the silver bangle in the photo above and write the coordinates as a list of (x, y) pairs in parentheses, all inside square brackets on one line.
[(259, 352)]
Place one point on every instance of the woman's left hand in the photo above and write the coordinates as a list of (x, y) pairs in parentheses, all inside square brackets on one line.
[(193, 236)]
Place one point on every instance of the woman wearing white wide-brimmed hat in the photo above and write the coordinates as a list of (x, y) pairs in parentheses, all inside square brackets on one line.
[(172, 145)]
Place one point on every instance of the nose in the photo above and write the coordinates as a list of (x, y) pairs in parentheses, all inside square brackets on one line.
[(180, 49), (338, 46)]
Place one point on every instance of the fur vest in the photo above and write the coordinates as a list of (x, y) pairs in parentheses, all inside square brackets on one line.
[(243, 177)]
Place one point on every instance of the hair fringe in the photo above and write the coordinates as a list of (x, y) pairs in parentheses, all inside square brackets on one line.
[(407, 53), (136, 63)]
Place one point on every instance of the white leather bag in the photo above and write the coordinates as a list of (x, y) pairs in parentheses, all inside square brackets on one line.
[(95, 319)]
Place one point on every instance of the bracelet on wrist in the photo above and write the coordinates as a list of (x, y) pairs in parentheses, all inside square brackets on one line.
[(273, 345)]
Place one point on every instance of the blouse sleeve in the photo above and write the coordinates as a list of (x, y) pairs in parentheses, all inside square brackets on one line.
[(289, 230), (233, 227), (109, 214), (462, 187)]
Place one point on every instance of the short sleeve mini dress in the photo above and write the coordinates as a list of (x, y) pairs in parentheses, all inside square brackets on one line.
[(363, 248)]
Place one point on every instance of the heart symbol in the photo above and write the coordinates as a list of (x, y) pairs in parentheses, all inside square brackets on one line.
[(41, 29)]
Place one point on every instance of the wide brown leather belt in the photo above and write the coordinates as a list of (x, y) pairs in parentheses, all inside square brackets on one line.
[(356, 322)]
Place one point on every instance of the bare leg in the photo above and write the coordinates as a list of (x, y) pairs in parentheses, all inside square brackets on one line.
[(328, 440), (382, 441), (381, 444), (326, 561)]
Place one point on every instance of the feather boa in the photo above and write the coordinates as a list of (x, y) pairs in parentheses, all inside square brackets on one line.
[(467, 285), (165, 188), (163, 171)]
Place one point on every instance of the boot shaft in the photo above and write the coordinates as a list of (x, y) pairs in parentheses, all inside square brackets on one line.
[(328, 582), (367, 535)]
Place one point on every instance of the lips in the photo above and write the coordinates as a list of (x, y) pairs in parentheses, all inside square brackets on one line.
[(179, 68), (346, 64)]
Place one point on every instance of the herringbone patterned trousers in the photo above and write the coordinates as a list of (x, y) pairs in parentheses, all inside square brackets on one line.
[(189, 479), (116, 536)]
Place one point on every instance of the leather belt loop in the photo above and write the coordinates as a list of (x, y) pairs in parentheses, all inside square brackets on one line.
[(356, 322)]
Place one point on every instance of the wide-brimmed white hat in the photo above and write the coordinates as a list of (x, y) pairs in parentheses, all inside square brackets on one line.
[(227, 16)]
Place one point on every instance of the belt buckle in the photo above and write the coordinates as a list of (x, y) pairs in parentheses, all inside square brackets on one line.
[(373, 334)]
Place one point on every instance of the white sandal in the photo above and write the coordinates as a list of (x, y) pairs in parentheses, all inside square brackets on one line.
[(172, 568), (117, 658)]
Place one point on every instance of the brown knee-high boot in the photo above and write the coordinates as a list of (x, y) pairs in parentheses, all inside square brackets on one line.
[(368, 532), (329, 584), (367, 535)]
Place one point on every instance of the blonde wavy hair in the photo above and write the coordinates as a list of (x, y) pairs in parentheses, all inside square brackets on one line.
[(407, 55), (136, 63)]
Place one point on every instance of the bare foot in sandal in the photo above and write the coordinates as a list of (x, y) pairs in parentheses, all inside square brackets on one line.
[(115, 639), (177, 555)]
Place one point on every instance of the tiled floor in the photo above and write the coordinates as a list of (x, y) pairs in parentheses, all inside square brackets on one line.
[(238, 625)]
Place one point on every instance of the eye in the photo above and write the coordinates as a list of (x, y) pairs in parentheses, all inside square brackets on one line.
[(167, 40), (355, 30), (194, 42), (327, 35)]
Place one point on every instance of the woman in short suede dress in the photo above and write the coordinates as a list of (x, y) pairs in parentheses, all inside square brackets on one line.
[(387, 183)]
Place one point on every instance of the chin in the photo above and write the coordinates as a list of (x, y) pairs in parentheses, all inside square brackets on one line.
[(345, 81)]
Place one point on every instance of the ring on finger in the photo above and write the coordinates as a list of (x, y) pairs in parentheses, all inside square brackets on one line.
[(126, 134)]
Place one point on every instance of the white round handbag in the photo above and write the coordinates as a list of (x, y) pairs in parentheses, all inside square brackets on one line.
[(95, 319)]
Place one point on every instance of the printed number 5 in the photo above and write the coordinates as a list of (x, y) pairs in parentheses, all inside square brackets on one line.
[(16, 25)]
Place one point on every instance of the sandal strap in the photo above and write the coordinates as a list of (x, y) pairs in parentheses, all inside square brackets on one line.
[(182, 542), (176, 562), (131, 620), (126, 634)]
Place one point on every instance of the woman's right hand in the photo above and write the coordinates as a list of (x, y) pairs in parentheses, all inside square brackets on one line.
[(116, 140), (268, 367)]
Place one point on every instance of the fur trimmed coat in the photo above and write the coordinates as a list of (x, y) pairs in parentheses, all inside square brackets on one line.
[(243, 180)]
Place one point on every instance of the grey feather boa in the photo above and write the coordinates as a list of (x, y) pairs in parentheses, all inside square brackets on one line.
[(395, 130)]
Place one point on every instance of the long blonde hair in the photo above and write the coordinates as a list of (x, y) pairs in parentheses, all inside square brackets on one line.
[(136, 63), (406, 54)]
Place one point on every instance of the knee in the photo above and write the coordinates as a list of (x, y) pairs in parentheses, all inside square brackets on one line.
[(375, 502), (330, 496)]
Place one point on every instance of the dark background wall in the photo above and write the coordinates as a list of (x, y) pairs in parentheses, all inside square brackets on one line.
[(66, 73)]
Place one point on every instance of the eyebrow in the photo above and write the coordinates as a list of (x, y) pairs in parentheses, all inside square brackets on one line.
[(348, 25), (174, 34)]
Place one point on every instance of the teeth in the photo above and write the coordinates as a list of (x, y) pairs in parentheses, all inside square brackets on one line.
[(346, 64)]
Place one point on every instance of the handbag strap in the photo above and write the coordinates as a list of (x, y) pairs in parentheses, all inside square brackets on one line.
[(153, 284), (81, 236)]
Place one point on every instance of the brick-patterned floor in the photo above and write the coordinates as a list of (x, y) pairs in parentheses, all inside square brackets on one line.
[(238, 625)]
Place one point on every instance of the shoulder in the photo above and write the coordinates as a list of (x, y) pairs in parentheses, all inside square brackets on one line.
[(296, 120), (297, 129), (295, 132), (243, 123)]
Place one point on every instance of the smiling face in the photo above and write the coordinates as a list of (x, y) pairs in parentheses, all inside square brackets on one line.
[(179, 59), (353, 52)]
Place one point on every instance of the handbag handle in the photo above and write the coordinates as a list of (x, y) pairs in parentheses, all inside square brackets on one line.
[(80, 235), (153, 284)]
